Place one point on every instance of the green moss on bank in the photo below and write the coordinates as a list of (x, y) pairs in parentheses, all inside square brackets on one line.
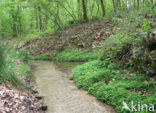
[(112, 86)]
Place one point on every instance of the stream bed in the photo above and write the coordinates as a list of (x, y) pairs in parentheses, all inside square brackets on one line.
[(60, 94)]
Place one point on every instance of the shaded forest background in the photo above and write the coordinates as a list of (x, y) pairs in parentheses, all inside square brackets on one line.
[(30, 18)]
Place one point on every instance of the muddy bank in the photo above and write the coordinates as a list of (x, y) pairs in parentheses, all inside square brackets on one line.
[(60, 93), (81, 36)]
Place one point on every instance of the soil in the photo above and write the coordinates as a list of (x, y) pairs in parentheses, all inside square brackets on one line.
[(82, 36)]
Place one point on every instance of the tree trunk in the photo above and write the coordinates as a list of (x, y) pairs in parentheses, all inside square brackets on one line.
[(152, 2), (119, 4), (14, 17), (138, 3), (79, 8), (114, 5), (40, 18), (134, 3), (97, 8), (153, 6), (84, 11), (19, 20), (36, 16), (103, 8), (46, 21)]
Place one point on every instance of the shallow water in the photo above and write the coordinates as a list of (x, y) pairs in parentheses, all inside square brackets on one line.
[(60, 93)]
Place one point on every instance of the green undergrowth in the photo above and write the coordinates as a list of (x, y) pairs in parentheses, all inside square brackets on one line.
[(43, 57), (14, 67), (73, 55), (110, 85), (121, 74)]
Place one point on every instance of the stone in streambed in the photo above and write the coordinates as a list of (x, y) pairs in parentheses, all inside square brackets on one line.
[(38, 97), (43, 107)]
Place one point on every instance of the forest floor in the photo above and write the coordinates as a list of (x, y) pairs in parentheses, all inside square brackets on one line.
[(14, 101), (81, 36)]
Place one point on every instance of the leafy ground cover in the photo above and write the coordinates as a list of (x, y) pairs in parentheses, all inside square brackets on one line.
[(43, 57), (111, 85), (77, 56), (121, 74)]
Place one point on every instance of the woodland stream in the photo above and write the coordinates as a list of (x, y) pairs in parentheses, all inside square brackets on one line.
[(60, 93)]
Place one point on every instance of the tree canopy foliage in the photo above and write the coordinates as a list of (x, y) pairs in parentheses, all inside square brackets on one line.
[(21, 17)]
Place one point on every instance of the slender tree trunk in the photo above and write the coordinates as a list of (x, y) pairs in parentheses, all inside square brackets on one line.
[(36, 16), (79, 8), (14, 28), (84, 10), (127, 7), (92, 9), (114, 5), (40, 17), (119, 4), (103, 8), (19, 26), (138, 3), (152, 2), (14, 25), (97, 8), (46, 21), (57, 19), (134, 3), (153, 6)]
